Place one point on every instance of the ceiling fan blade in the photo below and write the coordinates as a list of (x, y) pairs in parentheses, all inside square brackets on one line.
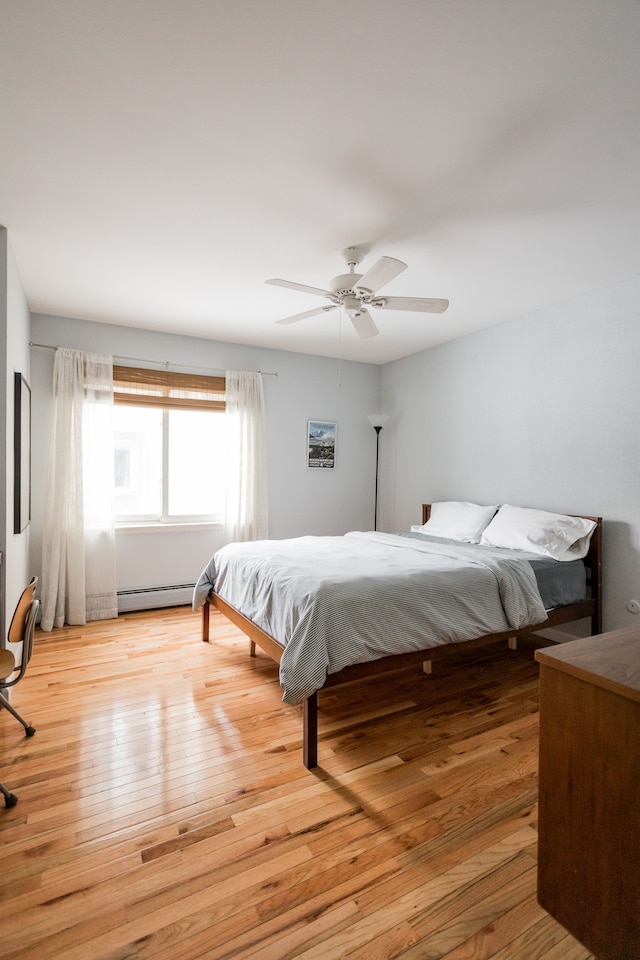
[(384, 270), (419, 304), (300, 286), (303, 316), (363, 323)]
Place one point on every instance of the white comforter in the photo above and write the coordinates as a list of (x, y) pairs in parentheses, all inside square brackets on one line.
[(335, 601)]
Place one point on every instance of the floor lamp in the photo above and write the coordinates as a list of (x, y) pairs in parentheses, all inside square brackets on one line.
[(377, 421)]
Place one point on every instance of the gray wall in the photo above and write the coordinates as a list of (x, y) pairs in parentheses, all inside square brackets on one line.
[(14, 357), (543, 411), (301, 501)]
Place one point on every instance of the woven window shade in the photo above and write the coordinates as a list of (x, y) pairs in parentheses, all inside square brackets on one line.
[(137, 386)]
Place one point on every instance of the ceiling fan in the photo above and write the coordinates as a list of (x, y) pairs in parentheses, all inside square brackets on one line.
[(355, 292)]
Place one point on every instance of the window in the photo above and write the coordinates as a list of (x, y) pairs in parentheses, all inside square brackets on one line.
[(169, 443)]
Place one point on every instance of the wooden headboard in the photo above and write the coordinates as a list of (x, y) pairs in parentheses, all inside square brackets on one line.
[(592, 562)]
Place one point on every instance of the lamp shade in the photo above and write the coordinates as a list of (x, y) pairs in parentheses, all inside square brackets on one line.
[(377, 419)]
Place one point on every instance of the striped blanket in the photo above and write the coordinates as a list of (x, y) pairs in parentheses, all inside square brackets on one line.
[(336, 601)]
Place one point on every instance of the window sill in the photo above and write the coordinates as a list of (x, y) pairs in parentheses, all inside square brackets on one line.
[(189, 526)]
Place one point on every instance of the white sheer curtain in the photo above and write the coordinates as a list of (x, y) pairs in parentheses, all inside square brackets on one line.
[(246, 502), (78, 551)]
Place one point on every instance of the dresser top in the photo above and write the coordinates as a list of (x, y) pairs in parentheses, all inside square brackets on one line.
[(609, 660)]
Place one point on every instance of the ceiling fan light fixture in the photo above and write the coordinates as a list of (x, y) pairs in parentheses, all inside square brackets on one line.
[(351, 304)]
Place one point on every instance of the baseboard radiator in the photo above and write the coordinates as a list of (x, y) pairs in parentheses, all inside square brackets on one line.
[(150, 598)]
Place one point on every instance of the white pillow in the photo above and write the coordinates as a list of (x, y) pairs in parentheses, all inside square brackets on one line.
[(456, 520), (550, 534)]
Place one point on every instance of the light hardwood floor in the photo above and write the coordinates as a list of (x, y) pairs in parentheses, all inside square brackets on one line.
[(164, 812)]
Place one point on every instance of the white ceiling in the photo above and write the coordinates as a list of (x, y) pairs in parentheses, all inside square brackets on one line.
[(160, 159)]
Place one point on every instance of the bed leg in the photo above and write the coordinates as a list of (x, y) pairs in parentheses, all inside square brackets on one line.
[(252, 648), (310, 731), (205, 621), (427, 667), (513, 643)]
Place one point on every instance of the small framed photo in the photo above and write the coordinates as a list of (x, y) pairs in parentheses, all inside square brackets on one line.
[(321, 445)]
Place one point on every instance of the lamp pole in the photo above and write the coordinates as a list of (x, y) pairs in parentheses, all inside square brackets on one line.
[(377, 421), (375, 510)]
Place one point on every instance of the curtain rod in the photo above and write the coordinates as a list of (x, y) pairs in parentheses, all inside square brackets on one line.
[(167, 363)]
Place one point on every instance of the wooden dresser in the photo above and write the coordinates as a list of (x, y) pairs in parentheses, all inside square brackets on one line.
[(589, 817)]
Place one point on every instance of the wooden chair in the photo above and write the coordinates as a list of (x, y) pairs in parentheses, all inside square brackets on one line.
[(12, 667)]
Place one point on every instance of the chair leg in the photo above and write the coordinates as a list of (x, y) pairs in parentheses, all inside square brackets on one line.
[(28, 729), (10, 799)]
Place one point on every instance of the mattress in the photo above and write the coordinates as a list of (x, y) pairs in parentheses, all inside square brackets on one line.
[(560, 584)]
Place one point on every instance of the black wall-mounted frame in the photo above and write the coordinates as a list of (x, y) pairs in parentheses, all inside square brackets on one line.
[(22, 454)]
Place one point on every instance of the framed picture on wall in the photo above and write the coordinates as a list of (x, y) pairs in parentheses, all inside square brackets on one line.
[(21, 454), (321, 444)]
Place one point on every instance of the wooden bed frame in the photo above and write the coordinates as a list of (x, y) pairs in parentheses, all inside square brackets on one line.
[(590, 608)]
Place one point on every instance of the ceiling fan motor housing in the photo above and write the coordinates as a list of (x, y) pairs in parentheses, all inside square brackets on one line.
[(344, 284)]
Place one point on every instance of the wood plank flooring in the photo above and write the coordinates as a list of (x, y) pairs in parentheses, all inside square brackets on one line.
[(164, 812)]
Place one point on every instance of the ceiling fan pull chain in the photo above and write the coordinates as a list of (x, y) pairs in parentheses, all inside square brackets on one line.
[(339, 383)]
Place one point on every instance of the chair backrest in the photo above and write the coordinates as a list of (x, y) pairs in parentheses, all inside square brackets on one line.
[(29, 630), (19, 619), (21, 630), (20, 665)]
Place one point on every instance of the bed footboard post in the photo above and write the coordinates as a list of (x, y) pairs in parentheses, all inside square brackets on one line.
[(310, 731), (205, 621)]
